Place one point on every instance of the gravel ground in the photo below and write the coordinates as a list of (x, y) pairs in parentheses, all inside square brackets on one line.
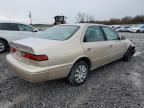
[(116, 85)]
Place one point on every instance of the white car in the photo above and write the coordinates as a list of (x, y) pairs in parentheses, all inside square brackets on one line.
[(125, 29), (10, 31), (137, 29), (118, 29)]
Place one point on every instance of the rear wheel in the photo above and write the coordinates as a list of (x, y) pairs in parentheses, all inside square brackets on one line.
[(3, 46), (78, 73)]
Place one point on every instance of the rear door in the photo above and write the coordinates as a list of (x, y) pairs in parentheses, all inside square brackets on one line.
[(116, 45), (95, 46)]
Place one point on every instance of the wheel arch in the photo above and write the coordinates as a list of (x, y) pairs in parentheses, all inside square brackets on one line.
[(84, 58), (5, 41)]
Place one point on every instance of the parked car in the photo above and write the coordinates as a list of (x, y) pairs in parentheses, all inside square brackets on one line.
[(137, 28), (67, 51), (118, 29), (10, 31), (125, 29), (112, 26)]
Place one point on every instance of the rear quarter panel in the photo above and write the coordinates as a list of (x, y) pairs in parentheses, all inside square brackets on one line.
[(61, 55), (64, 54)]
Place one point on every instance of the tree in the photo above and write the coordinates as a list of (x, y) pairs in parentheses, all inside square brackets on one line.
[(82, 17), (90, 18), (126, 20)]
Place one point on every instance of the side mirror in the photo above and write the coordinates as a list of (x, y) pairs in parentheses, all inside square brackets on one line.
[(34, 30), (123, 37)]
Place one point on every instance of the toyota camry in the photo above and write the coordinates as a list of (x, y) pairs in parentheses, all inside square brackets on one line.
[(68, 51)]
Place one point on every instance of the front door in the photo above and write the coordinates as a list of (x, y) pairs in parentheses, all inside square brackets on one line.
[(116, 45)]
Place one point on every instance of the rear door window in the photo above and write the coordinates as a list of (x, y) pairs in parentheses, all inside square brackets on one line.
[(9, 26), (23, 27), (93, 34)]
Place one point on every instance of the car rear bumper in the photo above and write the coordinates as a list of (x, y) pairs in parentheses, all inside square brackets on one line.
[(34, 73)]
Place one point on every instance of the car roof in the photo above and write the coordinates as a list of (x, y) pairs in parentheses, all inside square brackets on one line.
[(13, 22), (84, 24)]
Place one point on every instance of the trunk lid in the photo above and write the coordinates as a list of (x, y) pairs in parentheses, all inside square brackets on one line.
[(36, 46)]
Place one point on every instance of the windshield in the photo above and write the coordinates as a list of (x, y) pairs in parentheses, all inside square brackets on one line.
[(60, 32)]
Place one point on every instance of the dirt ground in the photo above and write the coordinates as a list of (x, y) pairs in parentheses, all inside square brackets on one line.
[(116, 85)]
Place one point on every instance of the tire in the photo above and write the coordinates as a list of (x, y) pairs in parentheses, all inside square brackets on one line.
[(138, 31), (3, 46), (78, 73), (128, 55)]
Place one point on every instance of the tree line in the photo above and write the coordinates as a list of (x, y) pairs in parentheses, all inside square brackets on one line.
[(86, 18)]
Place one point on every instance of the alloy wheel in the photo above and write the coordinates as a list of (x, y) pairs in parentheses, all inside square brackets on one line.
[(80, 73)]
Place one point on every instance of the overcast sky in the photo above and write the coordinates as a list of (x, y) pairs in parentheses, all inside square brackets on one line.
[(43, 11)]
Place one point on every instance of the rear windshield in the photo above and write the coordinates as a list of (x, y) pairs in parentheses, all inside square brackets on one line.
[(60, 32)]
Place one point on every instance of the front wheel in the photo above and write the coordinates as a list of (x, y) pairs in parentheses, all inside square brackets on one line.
[(78, 73), (128, 55), (3, 46), (138, 31)]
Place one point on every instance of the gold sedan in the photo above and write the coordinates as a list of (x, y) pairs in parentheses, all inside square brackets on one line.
[(69, 50)]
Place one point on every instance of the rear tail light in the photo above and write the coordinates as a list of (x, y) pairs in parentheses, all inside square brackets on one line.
[(13, 50), (35, 57)]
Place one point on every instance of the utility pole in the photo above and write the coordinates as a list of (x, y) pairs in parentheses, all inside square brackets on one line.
[(30, 17)]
